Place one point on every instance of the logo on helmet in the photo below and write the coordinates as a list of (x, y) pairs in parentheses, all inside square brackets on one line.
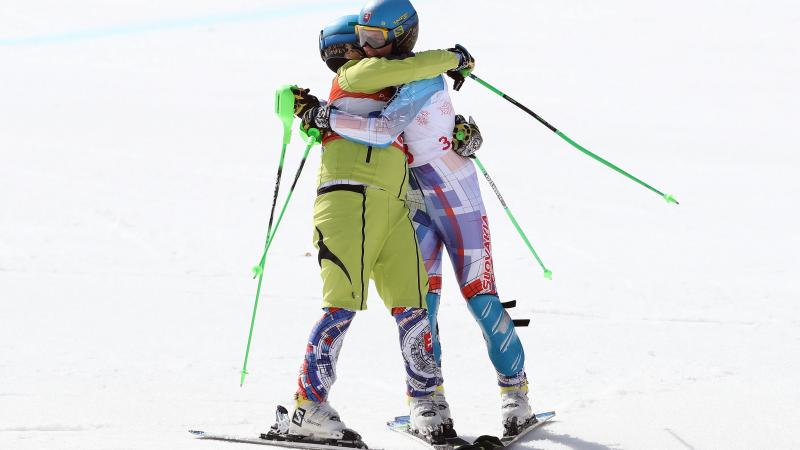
[(401, 18), (399, 31), (367, 16)]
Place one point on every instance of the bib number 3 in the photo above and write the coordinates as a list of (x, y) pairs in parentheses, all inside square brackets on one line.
[(446, 144)]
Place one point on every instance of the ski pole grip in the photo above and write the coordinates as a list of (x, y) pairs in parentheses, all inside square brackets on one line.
[(284, 108), (312, 136)]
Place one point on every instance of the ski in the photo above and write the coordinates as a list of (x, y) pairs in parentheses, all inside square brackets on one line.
[(400, 425), (278, 436), (541, 419), (302, 445)]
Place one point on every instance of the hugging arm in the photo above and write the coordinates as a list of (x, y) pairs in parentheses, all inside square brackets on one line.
[(382, 129)]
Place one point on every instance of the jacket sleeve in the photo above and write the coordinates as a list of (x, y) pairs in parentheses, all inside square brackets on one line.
[(370, 75), (381, 130)]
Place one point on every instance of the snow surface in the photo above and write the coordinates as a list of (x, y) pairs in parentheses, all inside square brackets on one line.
[(138, 149)]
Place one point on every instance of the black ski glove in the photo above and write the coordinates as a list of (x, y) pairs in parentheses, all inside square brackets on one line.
[(467, 137), (303, 101), (466, 62), (317, 117), (458, 79)]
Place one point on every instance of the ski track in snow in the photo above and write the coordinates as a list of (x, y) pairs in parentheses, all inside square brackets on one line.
[(137, 154)]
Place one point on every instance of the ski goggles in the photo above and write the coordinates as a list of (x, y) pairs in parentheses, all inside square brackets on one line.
[(329, 41), (375, 37)]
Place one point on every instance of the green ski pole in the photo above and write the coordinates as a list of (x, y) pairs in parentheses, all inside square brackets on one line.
[(547, 273), (669, 198), (313, 138), (284, 108)]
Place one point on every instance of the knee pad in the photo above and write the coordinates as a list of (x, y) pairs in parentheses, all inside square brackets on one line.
[(433, 310), (503, 344)]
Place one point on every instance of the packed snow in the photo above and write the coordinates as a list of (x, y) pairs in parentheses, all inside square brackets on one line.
[(138, 150)]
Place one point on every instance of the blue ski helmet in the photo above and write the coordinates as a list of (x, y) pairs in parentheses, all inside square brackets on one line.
[(398, 17), (337, 40)]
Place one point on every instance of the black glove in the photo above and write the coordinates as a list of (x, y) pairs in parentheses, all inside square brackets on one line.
[(467, 137), (303, 101), (317, 117), (466, 61), (458, 79)]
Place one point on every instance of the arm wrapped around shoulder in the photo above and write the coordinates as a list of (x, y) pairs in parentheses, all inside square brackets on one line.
[(467, 137)]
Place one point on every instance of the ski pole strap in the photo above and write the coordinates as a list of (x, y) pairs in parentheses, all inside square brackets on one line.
[(667, 197), (547, 273)]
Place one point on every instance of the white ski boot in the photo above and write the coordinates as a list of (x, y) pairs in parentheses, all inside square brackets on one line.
[(444, 412), (516, 410), (311, 423), (316, 420), (425, 418)]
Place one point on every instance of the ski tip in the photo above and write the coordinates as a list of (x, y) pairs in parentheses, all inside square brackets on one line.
[(197, 432), (545, 415)]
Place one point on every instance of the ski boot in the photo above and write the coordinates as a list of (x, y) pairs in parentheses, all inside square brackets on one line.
[(448, 431), (424, 419), (516, 410), (312, 423)]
